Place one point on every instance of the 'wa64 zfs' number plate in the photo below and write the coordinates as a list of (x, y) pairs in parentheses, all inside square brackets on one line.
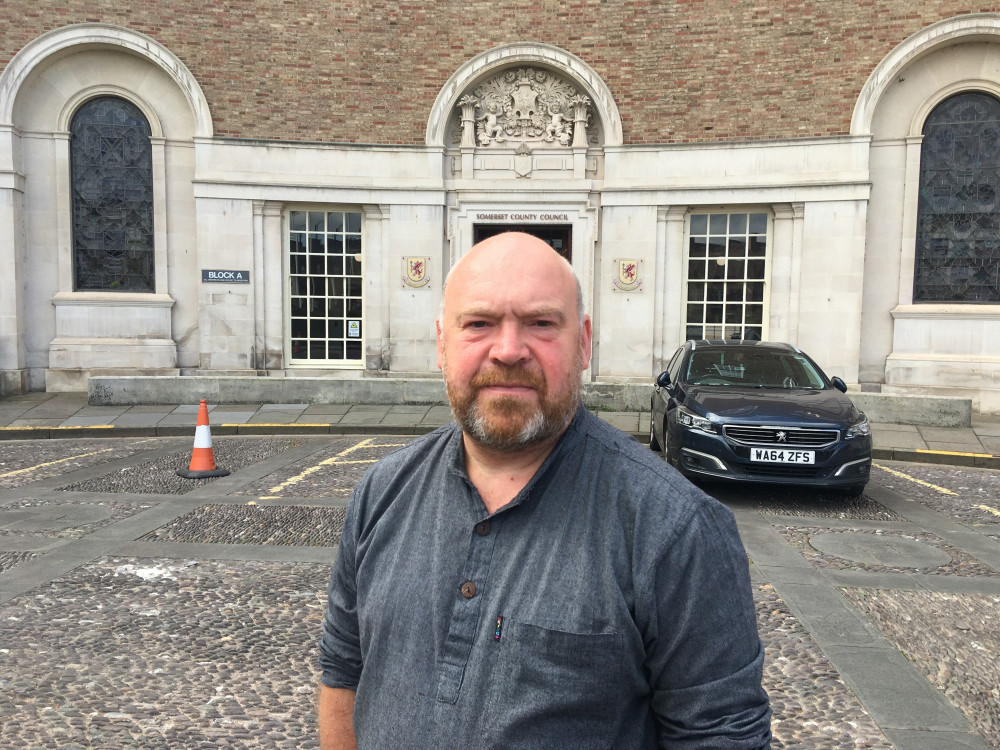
[(782, 456)]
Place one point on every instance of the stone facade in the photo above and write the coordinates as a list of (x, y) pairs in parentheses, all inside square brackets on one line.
[(437, 124)]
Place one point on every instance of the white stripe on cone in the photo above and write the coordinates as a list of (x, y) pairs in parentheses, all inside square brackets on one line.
[(202, 436)]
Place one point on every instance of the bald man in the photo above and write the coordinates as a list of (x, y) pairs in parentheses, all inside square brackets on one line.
[(528, 576)]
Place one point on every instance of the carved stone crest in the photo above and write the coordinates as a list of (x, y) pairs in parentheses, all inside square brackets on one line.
[(527, 106)]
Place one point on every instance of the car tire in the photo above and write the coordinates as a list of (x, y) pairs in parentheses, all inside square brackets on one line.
[(654, 444)]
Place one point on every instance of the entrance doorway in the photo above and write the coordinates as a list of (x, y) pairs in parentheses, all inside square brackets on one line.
[(559, 236)]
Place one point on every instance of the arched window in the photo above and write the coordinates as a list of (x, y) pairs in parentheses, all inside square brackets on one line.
[(958, 211), (112, 186)]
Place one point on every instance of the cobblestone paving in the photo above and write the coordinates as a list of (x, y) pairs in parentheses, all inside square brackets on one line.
[(155, 654), (255, 524), (160, 476), (953, 639), (331, 472), (9, 559), (812, 706), (976, 498), (23, 462), (58, 520), (961, 564), (800, 502)]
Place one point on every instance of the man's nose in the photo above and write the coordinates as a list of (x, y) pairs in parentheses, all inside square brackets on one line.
[(509, 346)]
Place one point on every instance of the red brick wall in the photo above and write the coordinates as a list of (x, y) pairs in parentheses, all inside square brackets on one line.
[(684, 71)]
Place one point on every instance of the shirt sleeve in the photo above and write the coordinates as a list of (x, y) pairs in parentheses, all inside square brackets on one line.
[(703, 650), (340, 644)]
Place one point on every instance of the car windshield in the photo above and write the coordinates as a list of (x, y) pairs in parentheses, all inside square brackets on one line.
[(752, 368)]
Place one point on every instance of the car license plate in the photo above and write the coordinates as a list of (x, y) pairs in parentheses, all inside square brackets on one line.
[(782, 456)]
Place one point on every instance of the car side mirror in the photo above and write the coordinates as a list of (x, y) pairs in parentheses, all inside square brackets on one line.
[(839, 384), (663, 381)]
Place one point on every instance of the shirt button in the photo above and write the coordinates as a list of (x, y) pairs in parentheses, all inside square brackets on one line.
[(483, 528), (468, 589)]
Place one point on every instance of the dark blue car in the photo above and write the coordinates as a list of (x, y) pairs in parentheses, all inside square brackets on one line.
[(756, 411)]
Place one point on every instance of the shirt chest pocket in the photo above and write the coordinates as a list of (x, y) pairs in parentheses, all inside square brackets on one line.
[(552, 689)]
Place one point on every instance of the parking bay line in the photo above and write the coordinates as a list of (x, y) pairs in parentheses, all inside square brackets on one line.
[(366, 443), (921, 482)]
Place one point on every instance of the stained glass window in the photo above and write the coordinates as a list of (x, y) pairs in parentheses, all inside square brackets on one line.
[(958, 211), (112, 185)]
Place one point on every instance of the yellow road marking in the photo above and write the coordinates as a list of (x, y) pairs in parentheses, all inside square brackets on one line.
[(988, 509), (366, 443), (51, 463), (955, 453), (915, 480), (63, 427), (275, 424)]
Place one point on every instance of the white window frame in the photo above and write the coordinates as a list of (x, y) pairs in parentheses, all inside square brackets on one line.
[(768, 235), (286, 262)]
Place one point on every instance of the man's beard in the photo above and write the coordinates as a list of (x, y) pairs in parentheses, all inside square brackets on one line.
[(510, 423)]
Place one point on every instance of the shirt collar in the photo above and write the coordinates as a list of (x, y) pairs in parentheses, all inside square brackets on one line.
[(565, 445)]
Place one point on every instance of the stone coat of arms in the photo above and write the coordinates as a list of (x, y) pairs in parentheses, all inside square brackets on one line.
[(524, 105)]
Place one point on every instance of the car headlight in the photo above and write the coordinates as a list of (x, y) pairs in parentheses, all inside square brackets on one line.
[(690, 419), (860, 428)]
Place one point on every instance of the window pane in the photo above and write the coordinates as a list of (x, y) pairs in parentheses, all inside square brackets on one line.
[(297, 242), (758, 224), (717, 269), (755, 269), (754, 314), (734, 313), (335, 221), (695, 313), (696, 292), (317, 221), (297, 221), (737, 223), (734, 292), (692, 332), (737, 247), (696, 269), (718, 223), (736, 268), (715, 292), (713, 313), (699, 223), (698, 247)]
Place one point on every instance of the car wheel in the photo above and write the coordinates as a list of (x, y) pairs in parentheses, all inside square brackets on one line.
[(654, 444)]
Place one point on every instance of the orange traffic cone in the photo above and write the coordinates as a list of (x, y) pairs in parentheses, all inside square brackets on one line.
[(202, 457)]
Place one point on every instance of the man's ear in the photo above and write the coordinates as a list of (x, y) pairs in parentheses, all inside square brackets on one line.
[(586, 340), (440, 343)]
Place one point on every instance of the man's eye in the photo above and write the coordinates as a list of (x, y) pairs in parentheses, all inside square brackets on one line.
[(477, 324)]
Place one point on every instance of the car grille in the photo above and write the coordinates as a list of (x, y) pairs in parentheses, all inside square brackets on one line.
[(791, 436)]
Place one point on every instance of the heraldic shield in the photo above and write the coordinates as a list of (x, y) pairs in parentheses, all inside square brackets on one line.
[(415, 271)]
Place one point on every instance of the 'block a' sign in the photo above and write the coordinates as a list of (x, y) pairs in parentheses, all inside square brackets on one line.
[(225, 277)]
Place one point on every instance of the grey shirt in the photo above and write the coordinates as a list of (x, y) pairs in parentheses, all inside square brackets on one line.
[(607, 606)]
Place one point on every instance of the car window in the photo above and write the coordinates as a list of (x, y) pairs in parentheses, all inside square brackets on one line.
[(753, 368), (715, 368), (675, 365)]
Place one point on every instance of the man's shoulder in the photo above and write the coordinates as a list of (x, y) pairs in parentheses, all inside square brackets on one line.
[(636, 475), (416, 452)]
